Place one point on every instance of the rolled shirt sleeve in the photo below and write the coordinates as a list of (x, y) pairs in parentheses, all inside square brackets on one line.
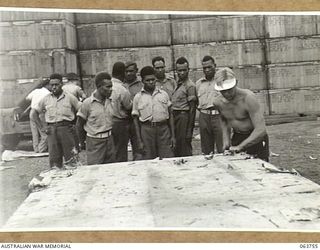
[(83, 111), (135, 105), (74, 102), (192, 93)]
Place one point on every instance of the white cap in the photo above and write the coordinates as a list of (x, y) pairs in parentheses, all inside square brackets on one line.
[(224, 79)]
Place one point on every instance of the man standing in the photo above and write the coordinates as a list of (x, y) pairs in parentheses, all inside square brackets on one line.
[(184, 100), (95, 116), (209, 118), (40, 145), (59, 108), (241, 111), (153, 119), (72, 86), (122, 105), (134, 85), (163, 82)]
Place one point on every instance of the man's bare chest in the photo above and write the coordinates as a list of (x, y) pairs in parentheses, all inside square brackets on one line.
[(234, 111)]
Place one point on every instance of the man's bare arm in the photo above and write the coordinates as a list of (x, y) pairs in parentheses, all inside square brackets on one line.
[(191, 120), (138, 133), (80, 130), (226, 133), (34, 114), (258, 122), (171, 124)]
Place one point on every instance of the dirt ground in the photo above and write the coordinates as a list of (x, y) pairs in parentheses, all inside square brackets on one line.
[(293, 145)]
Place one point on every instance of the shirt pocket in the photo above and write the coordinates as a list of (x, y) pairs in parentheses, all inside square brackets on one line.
[(66, 109), (51, 111), (144, 111), (161, 109)]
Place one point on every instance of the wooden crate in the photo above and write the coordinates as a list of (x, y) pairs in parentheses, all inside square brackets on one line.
[(286, 101), (122, 35), (213, 29), (295, 49), (291, 25), (225, 53), (189, 16), (37, 35), (291, 76), (12, 92), (89, 18), (33, 64), (93, 61), (12, 16), (263, 98)]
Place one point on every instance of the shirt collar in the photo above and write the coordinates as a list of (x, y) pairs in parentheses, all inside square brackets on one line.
[(203, 79), (128, 84), (95, 99), (166, 78), (156, 90), (60, 97), (183, 82)]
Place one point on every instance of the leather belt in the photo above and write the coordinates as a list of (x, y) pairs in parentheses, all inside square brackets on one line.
[(180, 111), (209, 111), (101, 135), (155, 124), (59, 124)]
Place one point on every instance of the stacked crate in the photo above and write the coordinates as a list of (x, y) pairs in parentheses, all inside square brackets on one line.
[(293, 57), (33, 45), (233, 41), (104, 39)]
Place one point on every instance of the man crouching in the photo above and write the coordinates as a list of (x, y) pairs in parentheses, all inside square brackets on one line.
[(240, 111)]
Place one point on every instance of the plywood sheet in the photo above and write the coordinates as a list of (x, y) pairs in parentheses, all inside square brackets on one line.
[(221, 193)]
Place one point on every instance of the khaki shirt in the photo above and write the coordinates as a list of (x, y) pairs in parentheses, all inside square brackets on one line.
[(134, 87), (153, 108), (98, 116), (73, 89), (206, 93), (59, 109), (168, 84), (120, 99), (184, 93)]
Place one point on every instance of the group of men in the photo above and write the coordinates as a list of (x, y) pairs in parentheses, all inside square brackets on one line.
[(156, 114)]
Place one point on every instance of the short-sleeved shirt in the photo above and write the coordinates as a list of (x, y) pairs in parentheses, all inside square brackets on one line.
[(57, 109), (120, 99), (36, 95), (184, 93), (134, 87), (153, 108), (206, 93), (73, 89), (167, 84), (98, 116)]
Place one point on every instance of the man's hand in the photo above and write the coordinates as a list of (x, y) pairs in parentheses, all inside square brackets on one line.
[(173, 142), (235, 149), (46, 130)]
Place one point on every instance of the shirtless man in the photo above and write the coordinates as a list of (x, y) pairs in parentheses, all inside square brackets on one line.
[(240, 111)]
